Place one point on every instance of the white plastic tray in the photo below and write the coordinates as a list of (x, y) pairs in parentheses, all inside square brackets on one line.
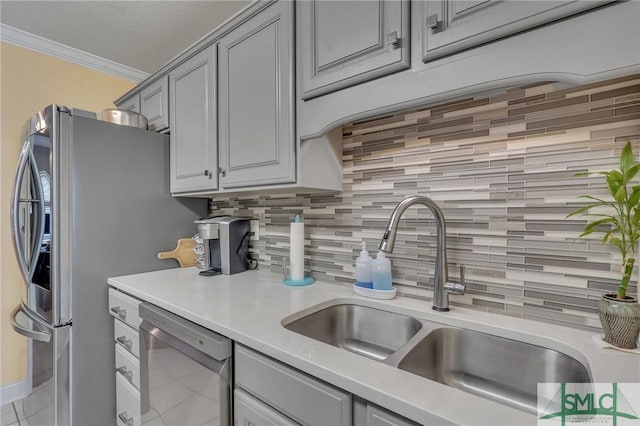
[(375, 294)]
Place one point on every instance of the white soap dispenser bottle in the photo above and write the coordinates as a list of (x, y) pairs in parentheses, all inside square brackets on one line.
[(382, 272), (363, 268)]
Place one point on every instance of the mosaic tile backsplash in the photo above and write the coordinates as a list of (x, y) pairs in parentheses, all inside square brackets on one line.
[(502, 169)]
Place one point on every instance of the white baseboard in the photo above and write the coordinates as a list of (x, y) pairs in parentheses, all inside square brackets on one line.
[(14, 391)]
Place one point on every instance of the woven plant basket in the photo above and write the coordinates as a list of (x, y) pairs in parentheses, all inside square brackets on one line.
[(620, 320)]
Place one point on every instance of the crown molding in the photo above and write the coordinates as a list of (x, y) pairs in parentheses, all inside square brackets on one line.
[(39, 44)]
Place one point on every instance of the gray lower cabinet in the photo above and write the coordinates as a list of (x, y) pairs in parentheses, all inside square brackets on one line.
[(256, 103), (248, 410), (154, 104), (297, 396), (342, 43), (192, 106), (453, 25), (368, 414)]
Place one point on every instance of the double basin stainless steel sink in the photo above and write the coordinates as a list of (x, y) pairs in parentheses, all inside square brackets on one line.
[(496, 368)]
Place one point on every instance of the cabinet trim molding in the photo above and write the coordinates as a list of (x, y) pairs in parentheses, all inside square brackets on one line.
[(35, 43)]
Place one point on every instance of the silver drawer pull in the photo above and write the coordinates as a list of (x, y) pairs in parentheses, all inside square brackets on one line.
[(128, 374), (433, 23), (393, 39), (127, 343), (124, 419), (121, 313)]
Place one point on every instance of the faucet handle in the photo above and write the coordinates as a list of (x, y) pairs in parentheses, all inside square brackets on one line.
[(459, 287)]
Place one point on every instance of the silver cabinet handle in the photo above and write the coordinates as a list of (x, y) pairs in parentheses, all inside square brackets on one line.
[(222, 171), (127, 343), (121, 313), (124, 419), (128, 374), (393, 39), (433, 23)]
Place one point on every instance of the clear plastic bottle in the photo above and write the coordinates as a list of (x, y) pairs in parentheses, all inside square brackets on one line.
[(363, 268), (381, 272)]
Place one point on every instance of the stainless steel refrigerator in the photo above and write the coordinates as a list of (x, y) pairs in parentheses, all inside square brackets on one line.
[(91, 200)]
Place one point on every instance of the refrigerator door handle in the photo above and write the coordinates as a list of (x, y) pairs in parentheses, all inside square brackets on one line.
[(28, 162), (39, 204), (42, 334), (15, 219)]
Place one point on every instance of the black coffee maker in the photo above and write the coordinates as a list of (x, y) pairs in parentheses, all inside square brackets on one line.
[(226, 244)]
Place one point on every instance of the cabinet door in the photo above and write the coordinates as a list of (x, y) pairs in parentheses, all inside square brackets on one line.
[(154, 104), (347, 42), (298, 395), (453, 25), (130, 104), (248, 411), (368, 414), (379, 417), (194, 147), (257, 139)]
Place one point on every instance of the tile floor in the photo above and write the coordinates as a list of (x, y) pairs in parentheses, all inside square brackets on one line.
[(182, 391), (33, 410)]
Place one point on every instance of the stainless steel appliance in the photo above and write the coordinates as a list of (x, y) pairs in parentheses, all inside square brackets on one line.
[(193, 365), (91, 200), (226, 245)]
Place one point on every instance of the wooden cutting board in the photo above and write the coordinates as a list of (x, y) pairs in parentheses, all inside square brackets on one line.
[(183, 253)]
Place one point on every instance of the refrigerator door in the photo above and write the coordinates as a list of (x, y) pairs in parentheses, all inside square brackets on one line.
[(27, 212), (33, 214), (48, 402)]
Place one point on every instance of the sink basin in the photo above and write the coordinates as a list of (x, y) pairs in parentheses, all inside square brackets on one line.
[(370, 332), (503, 370)]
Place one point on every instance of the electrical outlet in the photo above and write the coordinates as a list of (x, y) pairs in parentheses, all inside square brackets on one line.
[(255, 229)]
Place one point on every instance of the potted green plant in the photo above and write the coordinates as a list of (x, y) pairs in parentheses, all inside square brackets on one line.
[(619, 221)]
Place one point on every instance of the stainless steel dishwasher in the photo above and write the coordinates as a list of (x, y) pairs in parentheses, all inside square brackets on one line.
[(185, 371)]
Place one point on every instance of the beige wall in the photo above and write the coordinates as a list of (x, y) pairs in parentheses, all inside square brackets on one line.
[(29, 81)]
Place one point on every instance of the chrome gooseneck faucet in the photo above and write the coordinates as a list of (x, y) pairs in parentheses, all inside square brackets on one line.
[(441, 285)]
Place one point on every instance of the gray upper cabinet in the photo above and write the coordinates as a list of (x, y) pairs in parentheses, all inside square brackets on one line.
[(130, 104), (194, 147), (343, 43), (154, 104), (256, 104), (453, 25)]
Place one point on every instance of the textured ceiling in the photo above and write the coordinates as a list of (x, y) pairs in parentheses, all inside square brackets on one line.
[(143, 35)]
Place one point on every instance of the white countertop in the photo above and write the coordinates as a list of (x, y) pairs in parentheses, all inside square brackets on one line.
[(249, 308)]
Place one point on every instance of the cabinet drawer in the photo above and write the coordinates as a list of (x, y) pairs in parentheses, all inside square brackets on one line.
[(127, 403), (127, 337), (124, 307), (250, 411), (376, 416), (303, 398), (127, 366)]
